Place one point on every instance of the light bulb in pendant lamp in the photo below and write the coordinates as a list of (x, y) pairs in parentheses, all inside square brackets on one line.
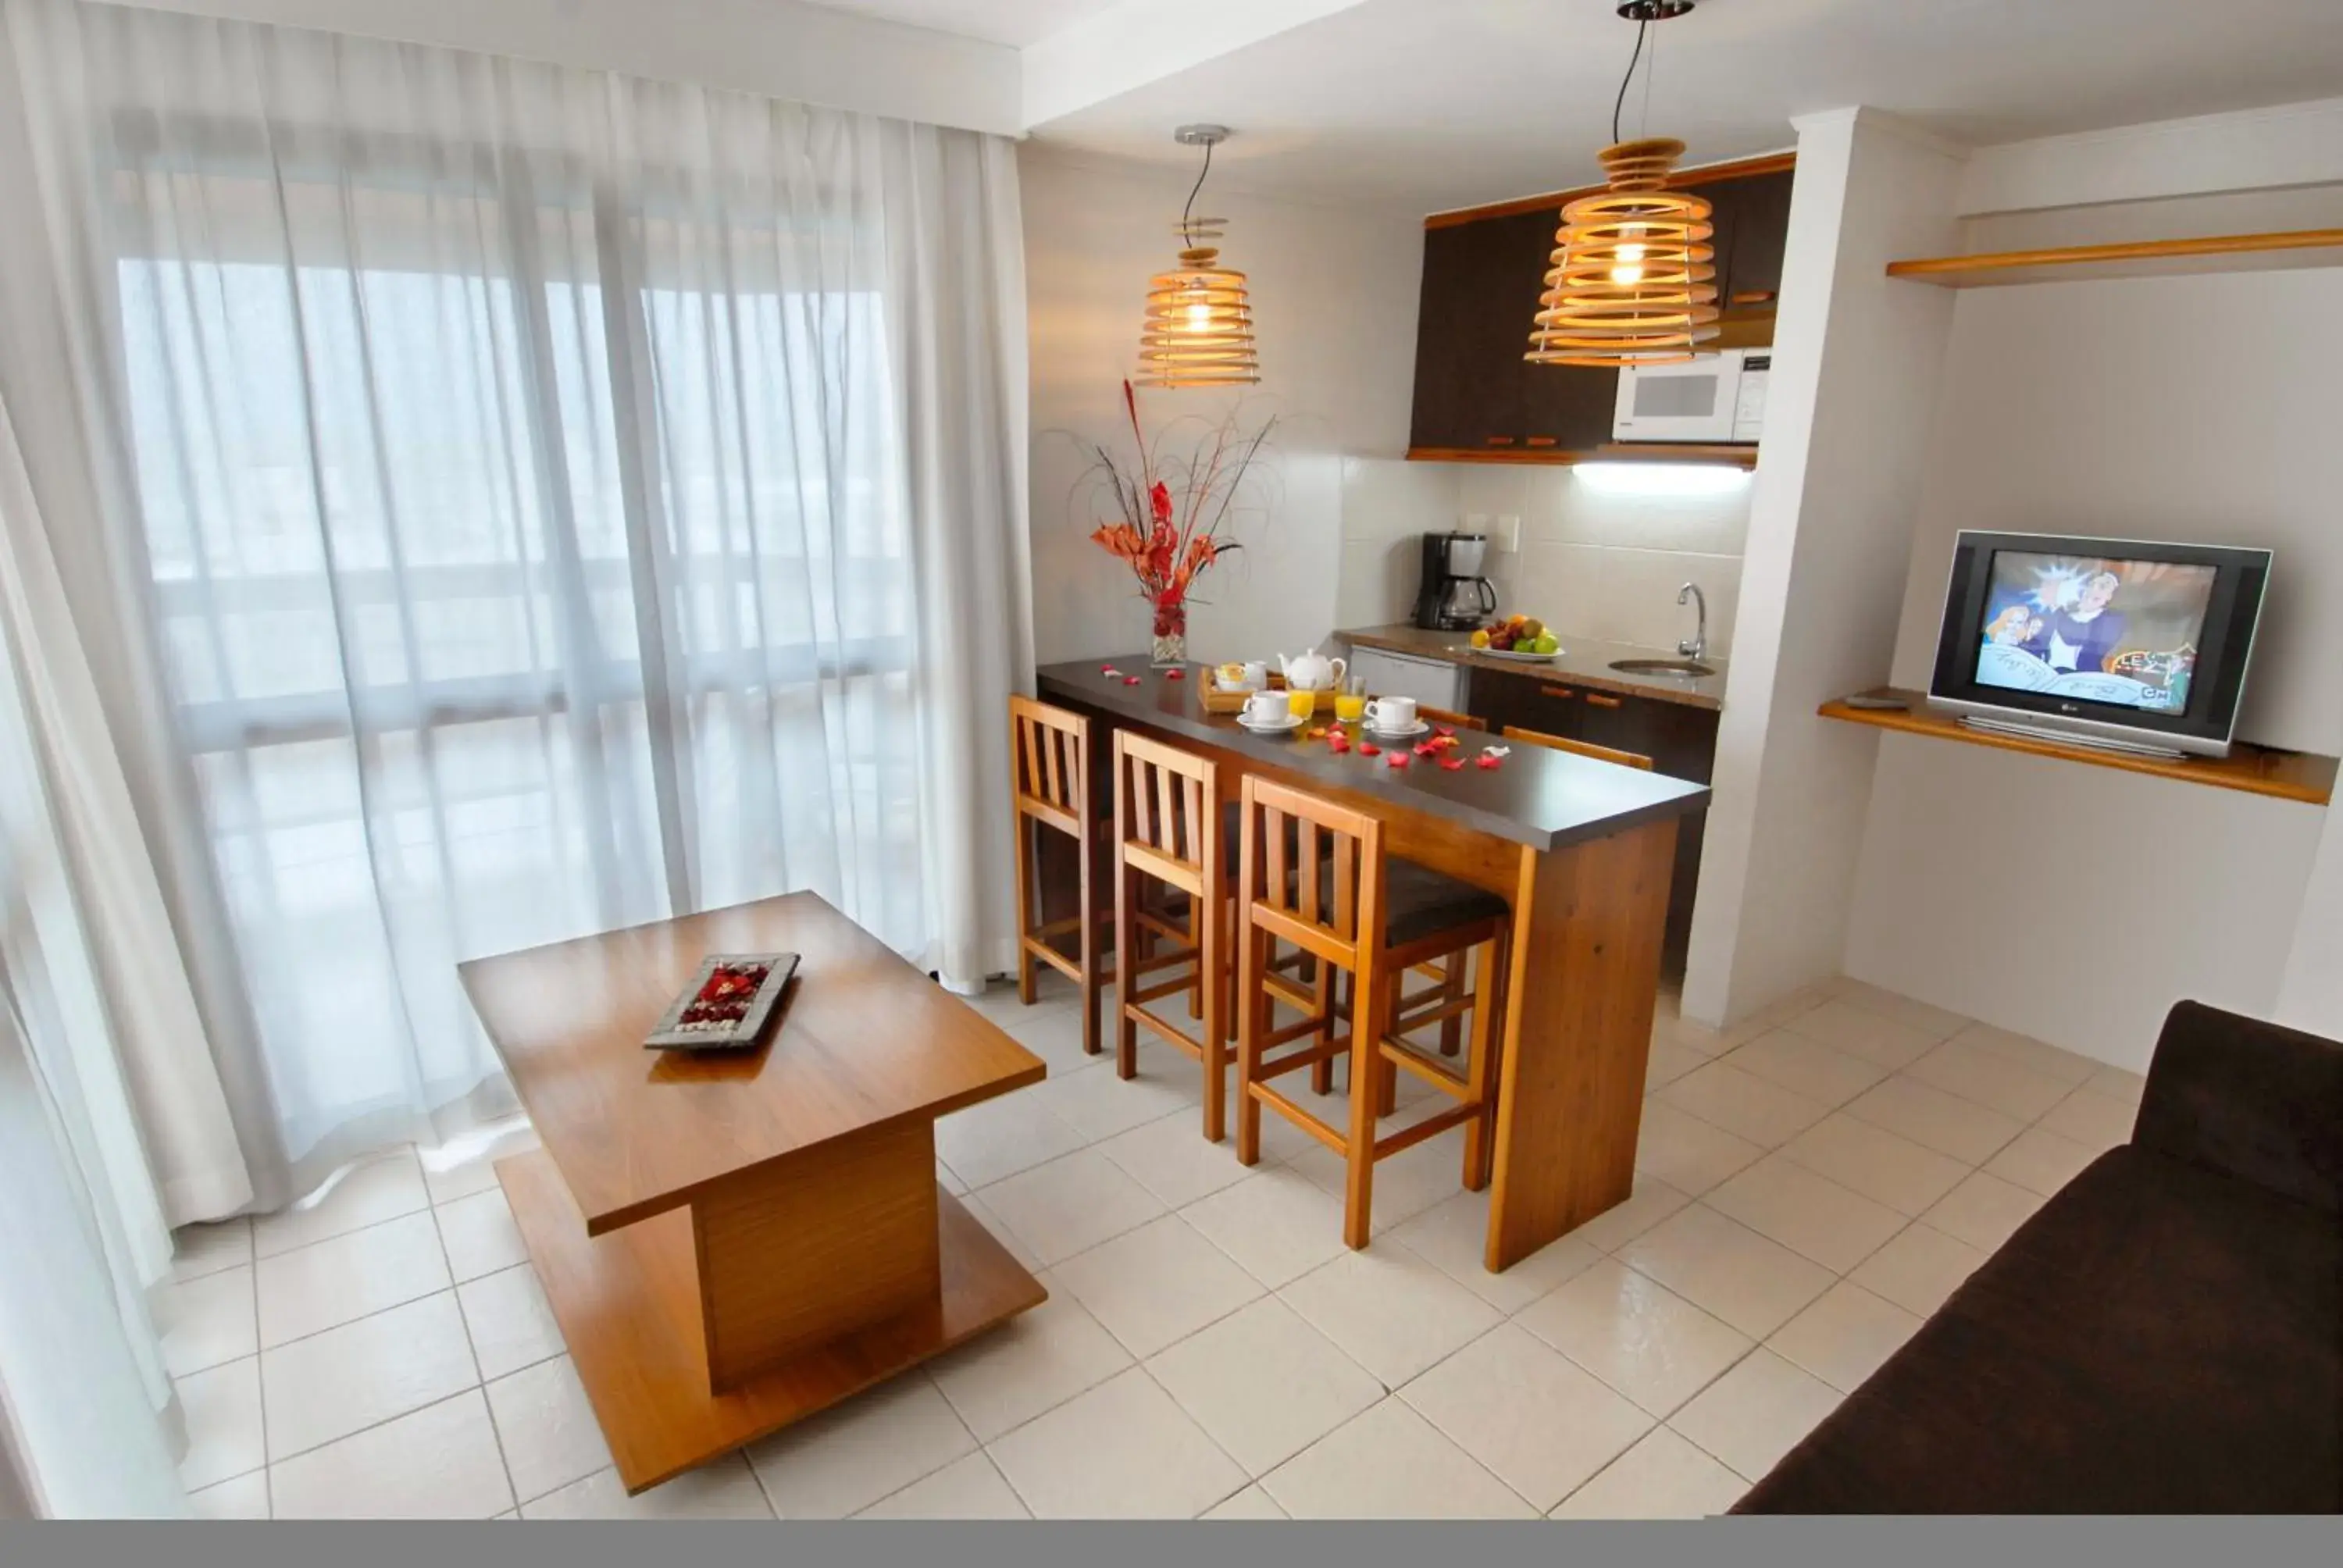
[(1633, 280), (1199, 324)]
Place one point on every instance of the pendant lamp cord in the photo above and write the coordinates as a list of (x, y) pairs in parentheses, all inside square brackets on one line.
[(1186, 212), (1616, 104)]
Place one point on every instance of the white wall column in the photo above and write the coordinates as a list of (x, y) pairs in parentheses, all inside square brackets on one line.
[(1856, 364), (2310, 995)]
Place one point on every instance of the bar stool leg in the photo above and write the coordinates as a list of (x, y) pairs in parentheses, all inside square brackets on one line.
[(1451, 992), (1126, 962), (1026, 902), (1253, 1024), (1086, 945), (1481, 1066), (1212, 957), (1367, 1023)]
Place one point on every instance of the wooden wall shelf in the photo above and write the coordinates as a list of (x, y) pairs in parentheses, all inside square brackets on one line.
[(2303, 776), (1739, 456), (2133, 259)]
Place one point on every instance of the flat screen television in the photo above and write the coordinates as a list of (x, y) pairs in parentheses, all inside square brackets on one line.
[(2118, 643)]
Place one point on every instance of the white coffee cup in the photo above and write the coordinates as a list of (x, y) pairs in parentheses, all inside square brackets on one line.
[(1256, 674), (1389, 714), (1267, 708)]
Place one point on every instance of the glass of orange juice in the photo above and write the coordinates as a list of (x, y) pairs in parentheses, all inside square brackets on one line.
[(1351, 701), (1300, 704)]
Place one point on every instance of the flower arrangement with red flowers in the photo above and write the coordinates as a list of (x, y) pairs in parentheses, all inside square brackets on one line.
[(1173, 517)]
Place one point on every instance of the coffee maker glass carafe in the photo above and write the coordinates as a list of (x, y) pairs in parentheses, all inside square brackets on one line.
[(1453, 596)]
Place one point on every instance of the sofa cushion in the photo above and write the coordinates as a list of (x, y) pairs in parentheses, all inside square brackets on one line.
[(2160, 1337)]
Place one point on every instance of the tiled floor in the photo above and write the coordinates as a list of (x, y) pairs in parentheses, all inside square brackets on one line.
[(1813, 1185)]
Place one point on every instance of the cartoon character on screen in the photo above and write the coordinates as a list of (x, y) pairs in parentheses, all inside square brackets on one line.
[(2166, 673), (2013, 628), (2084, 633)]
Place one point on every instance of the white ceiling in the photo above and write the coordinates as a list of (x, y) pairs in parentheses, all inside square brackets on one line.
[(1016, 23), (1435, 104)]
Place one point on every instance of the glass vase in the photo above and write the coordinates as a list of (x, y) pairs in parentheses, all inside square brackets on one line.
[(1171, 646)]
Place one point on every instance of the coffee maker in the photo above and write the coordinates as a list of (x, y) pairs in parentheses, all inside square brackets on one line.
[(1453, 595)]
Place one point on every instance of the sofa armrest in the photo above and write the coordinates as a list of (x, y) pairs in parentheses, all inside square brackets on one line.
[(2249, 1099)]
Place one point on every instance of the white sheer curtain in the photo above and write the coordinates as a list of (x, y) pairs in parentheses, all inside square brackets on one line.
[(561, 501)]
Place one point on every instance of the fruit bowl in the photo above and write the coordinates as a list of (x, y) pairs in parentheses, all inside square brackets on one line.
[(1517, 636)]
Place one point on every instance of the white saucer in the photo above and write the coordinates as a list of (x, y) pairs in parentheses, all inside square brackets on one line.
[(1419, 727), (1291, 721)]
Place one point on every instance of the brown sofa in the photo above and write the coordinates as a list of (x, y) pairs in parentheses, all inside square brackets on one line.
[(2166, 1336)]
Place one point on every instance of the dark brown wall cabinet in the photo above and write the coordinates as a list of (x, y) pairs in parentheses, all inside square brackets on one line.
[(1482, 278)]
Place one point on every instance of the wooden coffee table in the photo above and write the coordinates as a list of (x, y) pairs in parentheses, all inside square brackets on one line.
[(731, 1242)]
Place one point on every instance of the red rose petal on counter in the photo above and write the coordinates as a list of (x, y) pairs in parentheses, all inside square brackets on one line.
[(1369, 749), (1444, 730), (1398, 759), (1489, 760), (1109, 669), (1176, 675), (1453, 764), (1130, 680)]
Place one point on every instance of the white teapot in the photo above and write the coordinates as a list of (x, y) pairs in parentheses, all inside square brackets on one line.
[(1311, 673)]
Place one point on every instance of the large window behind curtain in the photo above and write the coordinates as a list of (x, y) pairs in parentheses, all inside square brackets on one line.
[(519, 461)]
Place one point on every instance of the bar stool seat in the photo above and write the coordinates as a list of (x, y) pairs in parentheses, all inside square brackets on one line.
[(1420, 902)]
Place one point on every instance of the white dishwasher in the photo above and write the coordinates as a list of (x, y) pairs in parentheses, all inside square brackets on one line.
[(1435, 682)]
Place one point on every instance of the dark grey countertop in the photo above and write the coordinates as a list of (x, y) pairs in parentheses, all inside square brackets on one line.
[(1544, 798), (1583, 660)]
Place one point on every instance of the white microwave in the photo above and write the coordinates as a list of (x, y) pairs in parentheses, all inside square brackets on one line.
[(1718, 397)]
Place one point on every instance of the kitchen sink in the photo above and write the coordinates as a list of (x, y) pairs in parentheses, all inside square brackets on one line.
[(1686, 667)]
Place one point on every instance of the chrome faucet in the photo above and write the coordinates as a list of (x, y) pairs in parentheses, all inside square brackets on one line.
[(1698, 646)]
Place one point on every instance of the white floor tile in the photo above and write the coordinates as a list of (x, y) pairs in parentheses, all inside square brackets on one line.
[(1928, 1116), (1251, 1505), (1404, 1185), (1860, 1032), (851, 1455), (478, 1175), (202, 1250), (1071, 1205), (724, 1489), (1744, 1105), (1756, 1413), (1961, 1066), (1813, 1216), (1688, 1154), (1652, 1202), (1662, 1477), (1008, 1375), (549, 1431), (1726, 1269), (1002, 1136), (1264, 1384), (1157, 1285), (2030, 1053), (2118, 1084), (1169, 1158), (222, 1408), (1125, 1450), (437, 1463), (1053, 1034), (344, 1278), (1845, 1336), (480, 1234), (2088, 1116), (950, 1181), (337, 1382), (380, 1190), (1885, 1167), (1918, 1269), (1984, 1210), (1534, 1419), (1453, 1236), (511, 1322), (245, 1497), (1390, 1311), (999, 1231), (1277, 1223), (1390, 1464), (1909, 1011), (206, 1320), (969, 1488), (1669, 1060), (1636, 1335), (1807, 1068), (2041, 1161), (1097, 1104)]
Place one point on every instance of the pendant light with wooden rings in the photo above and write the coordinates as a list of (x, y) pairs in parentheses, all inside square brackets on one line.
[(1634, 275), (1199, 326)]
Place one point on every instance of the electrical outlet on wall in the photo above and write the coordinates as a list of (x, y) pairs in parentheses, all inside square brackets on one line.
[(1506, 535)]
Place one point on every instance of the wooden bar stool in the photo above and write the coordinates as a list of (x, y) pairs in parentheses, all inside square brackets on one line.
[(1579, 748), (1314, 875), (1051, 752), (1169, 831)]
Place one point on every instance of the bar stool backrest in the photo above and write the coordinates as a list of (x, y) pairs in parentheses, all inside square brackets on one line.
[(1166, 811), (1285, 834), (1051, 747)]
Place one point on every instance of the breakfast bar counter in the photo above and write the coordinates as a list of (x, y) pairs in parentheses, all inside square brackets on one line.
[(1582, 850)]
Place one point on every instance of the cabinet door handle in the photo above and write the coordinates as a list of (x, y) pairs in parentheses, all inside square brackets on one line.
[(1543, 441), (1599, 701), (1501, 440), (1564, 692)]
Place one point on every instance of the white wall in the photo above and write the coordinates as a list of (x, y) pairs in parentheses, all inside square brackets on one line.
[(1335, 294), (1855, 358), (2310, 992), (807, 53)]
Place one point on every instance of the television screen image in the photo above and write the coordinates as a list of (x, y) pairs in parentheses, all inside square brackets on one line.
[(2104, 629)]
